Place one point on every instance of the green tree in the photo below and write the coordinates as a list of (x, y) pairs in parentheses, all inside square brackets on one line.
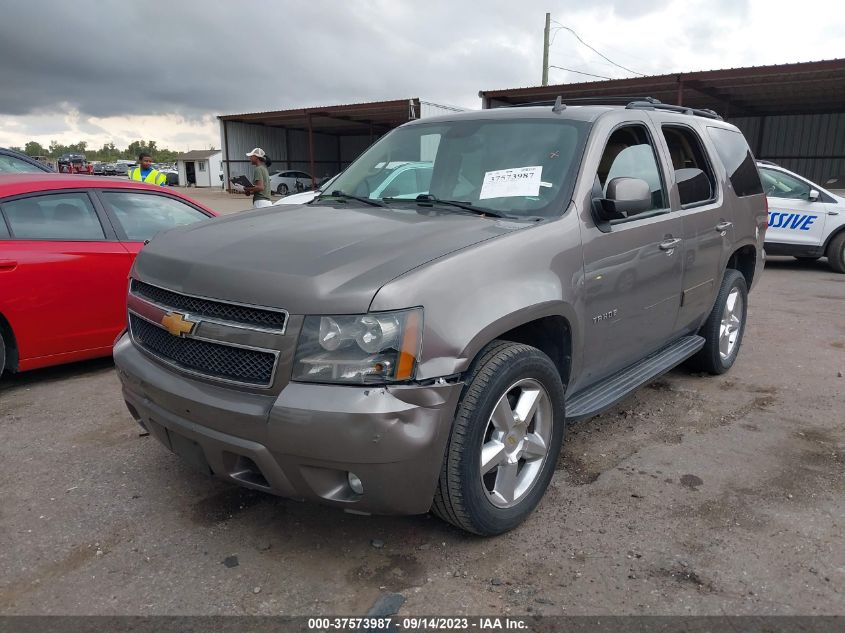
[(33, 148)]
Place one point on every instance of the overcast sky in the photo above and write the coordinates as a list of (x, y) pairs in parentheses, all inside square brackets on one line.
[(119, 71)]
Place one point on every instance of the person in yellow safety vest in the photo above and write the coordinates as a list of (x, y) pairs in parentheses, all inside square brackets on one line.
[(144, 172)]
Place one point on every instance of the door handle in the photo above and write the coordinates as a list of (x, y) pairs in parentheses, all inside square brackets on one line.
[(670, 243), (833, 212), (7, 264), (723, 226)]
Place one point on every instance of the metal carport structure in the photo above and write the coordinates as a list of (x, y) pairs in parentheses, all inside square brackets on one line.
[(320, 140), (793, 114)]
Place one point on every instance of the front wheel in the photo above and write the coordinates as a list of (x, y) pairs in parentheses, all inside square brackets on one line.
[(2, 354), (282, 190), (504, 442), (724, 327), (836, 253)]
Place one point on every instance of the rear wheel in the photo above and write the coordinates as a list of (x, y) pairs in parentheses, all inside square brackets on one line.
[(836, 253), (504, 442), (2, 354), (724, 327)]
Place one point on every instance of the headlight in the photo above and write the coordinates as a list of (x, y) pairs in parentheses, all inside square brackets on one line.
[(378, 347)]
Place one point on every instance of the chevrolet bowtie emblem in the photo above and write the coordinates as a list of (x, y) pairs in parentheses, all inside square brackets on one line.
[(177, 324)]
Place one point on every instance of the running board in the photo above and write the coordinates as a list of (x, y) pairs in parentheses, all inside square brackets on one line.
[(601, 396)]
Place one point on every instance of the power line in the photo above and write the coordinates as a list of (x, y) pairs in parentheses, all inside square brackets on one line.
[(579, 72), (602, 55)]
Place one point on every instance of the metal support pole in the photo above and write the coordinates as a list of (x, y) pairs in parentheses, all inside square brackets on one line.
[(311, 151), (758, 150), (227, 172), (546, 49), (339, 154)]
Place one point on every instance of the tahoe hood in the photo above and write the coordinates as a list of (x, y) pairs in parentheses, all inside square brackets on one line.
[(309, 259)]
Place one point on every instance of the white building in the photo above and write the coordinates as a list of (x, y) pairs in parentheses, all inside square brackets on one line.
[(200, 168)]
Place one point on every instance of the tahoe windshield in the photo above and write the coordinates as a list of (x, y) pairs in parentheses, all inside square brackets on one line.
[(520, 167)]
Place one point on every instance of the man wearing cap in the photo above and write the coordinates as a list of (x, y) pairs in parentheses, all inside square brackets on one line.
[(260, 189)]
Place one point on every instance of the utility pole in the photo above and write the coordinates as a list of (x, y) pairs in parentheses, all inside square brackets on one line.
[(546, 50)]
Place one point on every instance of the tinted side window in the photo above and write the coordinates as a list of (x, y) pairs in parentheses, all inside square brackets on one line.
[(629, 153), (58, 216), (688, 156), (738, 161), (4, 230), (142, 215)]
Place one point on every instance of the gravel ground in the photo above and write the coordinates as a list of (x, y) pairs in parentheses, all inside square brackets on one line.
[(697, 495)]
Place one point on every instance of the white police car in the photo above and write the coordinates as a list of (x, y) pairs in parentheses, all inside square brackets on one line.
[(805, 220)]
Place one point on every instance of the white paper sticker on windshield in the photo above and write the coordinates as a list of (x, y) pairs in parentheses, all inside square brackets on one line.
[(509, 183)]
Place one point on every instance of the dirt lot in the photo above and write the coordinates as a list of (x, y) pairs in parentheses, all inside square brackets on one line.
[(698, 495)]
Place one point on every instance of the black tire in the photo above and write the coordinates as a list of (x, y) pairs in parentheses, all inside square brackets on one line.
[(461, 498), (709, 359), (282, 189), (836, 253)]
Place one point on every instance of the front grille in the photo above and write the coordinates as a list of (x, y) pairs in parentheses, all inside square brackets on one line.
[(225, 362), (233, 313)]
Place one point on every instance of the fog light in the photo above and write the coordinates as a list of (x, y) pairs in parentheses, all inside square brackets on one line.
[(355, 484)]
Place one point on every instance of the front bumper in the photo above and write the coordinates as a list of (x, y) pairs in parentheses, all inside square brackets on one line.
[(303, 442)]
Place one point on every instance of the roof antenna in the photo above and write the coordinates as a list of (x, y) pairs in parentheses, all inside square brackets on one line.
[(559, 105)]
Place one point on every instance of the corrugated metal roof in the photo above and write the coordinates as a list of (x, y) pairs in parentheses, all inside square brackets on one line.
[(802, 87), (347, 118)]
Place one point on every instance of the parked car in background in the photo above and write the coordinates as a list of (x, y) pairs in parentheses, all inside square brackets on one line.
[(66, 246), (406, 351), (12, 162), (290, 181), (306, 196), (74, 164), (109, 169), (99, 169), (402, 180), (806, 220)]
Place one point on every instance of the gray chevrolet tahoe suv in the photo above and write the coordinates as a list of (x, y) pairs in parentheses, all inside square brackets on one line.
[(425, 347)]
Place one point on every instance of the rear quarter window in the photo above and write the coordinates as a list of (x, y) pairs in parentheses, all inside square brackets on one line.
[(739, 163)]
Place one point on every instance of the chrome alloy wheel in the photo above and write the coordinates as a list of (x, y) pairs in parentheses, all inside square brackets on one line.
[(516, 442), (731, 323)]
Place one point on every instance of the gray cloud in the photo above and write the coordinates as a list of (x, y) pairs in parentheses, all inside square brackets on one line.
[(190, 58)]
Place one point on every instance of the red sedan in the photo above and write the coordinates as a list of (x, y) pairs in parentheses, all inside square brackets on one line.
[(66, 246)]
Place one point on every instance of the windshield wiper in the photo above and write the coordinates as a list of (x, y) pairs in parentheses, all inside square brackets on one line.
[(426, 198), (349, 196)]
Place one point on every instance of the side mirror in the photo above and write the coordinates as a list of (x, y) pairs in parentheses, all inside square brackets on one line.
[(624, 197), (814, 195), (693, 185)]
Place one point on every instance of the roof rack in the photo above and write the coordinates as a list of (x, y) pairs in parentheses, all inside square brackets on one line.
[(630, 103), (586, 101), (651, 105)]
